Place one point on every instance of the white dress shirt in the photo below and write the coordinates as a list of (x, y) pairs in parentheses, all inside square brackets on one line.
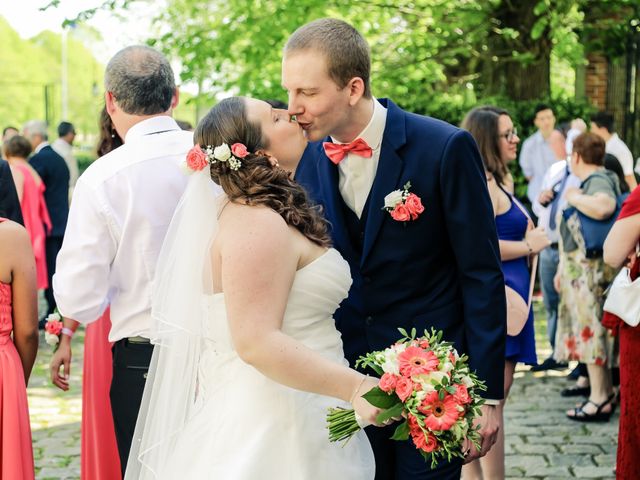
[(552, 180), (357, 173), (616, 147), (122, 206), (65, 150), (536, 157)]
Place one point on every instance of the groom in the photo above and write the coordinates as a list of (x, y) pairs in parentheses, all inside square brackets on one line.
[(438, 268)]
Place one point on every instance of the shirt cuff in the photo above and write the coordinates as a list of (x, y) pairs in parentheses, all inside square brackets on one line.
[(489, 401)]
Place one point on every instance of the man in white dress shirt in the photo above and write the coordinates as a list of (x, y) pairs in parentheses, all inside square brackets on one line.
[(121, 211), (602, 124)]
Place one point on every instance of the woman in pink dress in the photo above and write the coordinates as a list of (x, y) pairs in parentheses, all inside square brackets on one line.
[(31, 194), (99, 459), (18, 314)]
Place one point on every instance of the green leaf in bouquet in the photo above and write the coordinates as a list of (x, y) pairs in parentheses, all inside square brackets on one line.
[(369, 361), (403, 332), (402, 432), (380, 399), (389, 413)]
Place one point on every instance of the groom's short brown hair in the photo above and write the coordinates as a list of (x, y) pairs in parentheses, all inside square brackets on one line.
[(346, 51)]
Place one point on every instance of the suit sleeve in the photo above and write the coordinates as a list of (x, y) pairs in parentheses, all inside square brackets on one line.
[(471, 227)]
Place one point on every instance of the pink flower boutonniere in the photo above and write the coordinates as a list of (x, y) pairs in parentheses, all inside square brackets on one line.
[(402, 205)]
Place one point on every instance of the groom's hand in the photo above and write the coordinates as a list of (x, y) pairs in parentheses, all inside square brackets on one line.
[(489, 426)]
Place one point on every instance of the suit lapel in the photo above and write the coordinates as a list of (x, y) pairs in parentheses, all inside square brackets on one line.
[(333, 210), (390, 166)]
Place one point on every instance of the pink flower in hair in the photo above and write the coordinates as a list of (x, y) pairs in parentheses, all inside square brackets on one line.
[(197, 159), (239, 150)]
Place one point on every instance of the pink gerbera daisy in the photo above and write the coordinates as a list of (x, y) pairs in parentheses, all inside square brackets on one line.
[(439, 414), (415, 360)]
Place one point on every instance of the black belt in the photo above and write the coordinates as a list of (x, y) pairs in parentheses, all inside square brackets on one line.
[(135, 340)]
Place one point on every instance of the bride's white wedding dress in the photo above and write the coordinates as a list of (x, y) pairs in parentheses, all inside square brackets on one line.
[(254, 428), (206, 414)]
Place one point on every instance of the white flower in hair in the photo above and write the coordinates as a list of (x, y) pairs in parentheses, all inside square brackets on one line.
[(222, 152)]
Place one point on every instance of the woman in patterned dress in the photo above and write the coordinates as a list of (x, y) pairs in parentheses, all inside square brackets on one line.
[(581, 281)]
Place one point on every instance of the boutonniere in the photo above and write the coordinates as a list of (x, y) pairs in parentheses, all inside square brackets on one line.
[(403, 205)]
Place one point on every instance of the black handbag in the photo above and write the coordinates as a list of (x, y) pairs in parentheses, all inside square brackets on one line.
[(594, 232)]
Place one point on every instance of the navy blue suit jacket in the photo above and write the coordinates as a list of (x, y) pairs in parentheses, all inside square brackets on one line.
[(441, 270), (55, 174), (9, 203)]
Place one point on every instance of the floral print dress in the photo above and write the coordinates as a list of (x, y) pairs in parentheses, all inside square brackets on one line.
[(580, 334)]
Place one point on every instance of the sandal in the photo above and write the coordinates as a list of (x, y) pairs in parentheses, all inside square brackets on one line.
[(576, 391), (579, 415)]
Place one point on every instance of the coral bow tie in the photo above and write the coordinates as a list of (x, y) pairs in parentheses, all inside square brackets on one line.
[(337, 151)]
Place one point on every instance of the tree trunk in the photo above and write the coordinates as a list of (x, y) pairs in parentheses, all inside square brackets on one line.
[(517, 67)]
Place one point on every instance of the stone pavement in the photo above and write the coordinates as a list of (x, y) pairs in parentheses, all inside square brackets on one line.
[(540, 442)]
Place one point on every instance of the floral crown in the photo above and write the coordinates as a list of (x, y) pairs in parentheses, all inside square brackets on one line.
[(197, 158)]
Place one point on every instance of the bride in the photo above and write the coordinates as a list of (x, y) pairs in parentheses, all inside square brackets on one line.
[(247, 358)]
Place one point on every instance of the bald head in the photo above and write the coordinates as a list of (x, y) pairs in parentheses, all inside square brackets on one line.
[(141, 80)]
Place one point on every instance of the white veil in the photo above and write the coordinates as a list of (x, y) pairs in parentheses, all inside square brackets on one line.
[(183, 275)]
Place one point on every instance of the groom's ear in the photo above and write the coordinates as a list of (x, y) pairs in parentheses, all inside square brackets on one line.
[(356, 90)]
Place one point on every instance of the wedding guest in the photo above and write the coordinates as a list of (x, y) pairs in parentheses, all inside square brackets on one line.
[(64, 147), (541, 150), (612, 163), (620, 248), (9, 201), (602, 124), (99, 458), (18, 348), (54, 173), (31, 191), (9, 132), (581, 281), (404, 275), (497, 140), (121, 209)]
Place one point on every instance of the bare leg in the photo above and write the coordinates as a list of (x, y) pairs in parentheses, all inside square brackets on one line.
[(601, 389)]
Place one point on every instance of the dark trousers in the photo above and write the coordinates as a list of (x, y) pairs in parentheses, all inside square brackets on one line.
[(52, 247), (130, 367), (401, 461)]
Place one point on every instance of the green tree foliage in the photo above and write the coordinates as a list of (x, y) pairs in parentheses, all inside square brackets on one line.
[(30, 67)]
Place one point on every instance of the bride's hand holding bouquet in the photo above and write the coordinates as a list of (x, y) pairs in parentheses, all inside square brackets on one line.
[(426, 382)]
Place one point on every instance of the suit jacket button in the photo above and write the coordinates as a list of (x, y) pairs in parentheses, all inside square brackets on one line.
[(369, 320)]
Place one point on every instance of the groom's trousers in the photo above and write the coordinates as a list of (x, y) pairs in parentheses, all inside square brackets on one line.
[(131, 358), (401, 461)]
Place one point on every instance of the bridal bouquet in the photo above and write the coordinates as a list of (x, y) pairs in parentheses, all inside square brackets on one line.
[(425, 381)]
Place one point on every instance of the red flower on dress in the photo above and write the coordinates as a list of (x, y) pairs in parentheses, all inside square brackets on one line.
[(600, 361), (586, 334), (415, 360)]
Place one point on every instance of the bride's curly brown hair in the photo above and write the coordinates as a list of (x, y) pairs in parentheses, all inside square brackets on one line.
[(257, 182)]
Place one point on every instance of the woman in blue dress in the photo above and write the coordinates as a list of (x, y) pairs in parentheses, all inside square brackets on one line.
[(497, 141)]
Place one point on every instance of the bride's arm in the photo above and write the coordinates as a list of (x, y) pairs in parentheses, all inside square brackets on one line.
[(259, 259)]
